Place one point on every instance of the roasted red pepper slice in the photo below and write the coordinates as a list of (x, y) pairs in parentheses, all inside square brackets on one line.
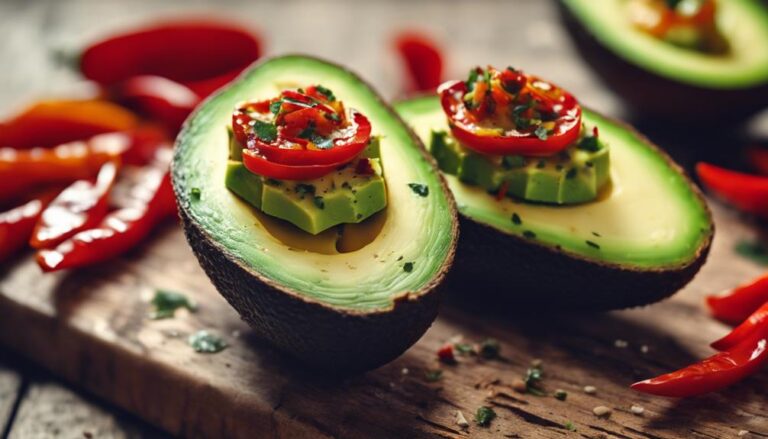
[(714, 373), (423, 61), (510, 112), (262, 166), (157, 98), (744, 191), (50, 123), (738, 304), (150, 203), (16, 225), (202, 55), (80, 206), (755, 322)]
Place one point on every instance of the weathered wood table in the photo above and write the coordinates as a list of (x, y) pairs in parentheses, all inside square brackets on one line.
[(91, 329)]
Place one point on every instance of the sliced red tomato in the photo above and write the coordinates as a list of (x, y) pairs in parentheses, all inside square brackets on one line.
[(511, 113)]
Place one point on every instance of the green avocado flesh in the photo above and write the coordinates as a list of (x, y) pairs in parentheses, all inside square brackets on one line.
[(649, 217), (342, 197), (576, 175), (743, 23), (416, 231)]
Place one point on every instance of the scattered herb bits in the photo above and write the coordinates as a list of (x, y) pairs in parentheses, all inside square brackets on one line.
[(561, 395), (205, 342), (533, 381), (516, 219), (408, 267), (319, 202), (195, 193), (529, 234), (490, 348), (419, 189), (165, 303), (433, 375), (569, 426), (593, 244), (484, 416), (464, 348)]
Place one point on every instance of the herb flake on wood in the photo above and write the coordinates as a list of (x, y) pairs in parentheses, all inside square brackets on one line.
[(165, 303)]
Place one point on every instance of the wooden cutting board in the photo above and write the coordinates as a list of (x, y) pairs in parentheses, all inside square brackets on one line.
[(91, 328)]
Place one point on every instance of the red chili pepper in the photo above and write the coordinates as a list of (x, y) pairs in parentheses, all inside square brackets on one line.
[(16, 225), (746, 192), (510, 130), (157, 98), (738, 304), (714, 373), (423, 61), (50, 123), (202, 55), (80, 206), (149, 203), (755, 322), (445, 353)]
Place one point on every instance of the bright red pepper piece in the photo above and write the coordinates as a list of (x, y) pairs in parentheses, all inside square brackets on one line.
[(445, 353), (159, 99), (16, 225), (735, 306), (757, 320), (714, 373), (200, 54), (423, 61), (149, 204), (744, 191), (80, 206), (50, 123)]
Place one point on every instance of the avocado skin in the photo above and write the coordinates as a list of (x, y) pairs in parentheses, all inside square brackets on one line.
[(336, 341), (519, 273), (654, 96)]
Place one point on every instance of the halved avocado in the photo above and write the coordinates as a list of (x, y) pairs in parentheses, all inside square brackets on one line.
[(643, 238), (344, 312), (660, 79)]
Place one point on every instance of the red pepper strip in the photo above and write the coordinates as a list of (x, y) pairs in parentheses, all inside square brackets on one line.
[(262, 166), (202, 55), (17, 224), (736, 305), (50, 123), (756, 321), (152, 202), (747, 192), (143, 144), (157, 98), (568, 126), (422, 59), (758, 158), (714, 373), (80, 206)]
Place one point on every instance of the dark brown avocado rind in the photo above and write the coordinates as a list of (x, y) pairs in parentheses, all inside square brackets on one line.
[(523, 273), (652, 95), (338, 341)]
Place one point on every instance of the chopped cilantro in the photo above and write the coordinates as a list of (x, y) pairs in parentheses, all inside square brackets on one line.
[(516, 219), (419, 189), (274, 107), (561, 394), (273, 182), (325, 92), (541, 164), (408, 267), (569, 426), (541, 132), (319, 202), (755, 251), (463, 348), (484, 416), (195, 193), (529, 234), (571, 173), (472, 79), (433, 375), (532, 381), (593, 244), (266, 132), (165, 303), (205, 342), (332, 116), (490, 348), (308, 131), (512, 161), (589, 143), (303, 189)]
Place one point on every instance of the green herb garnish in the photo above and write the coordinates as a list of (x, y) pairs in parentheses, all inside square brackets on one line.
[(561, 394), (490, 348), (165, 303), (484, 416), (516, 219), (303, 189), (541, 132), (593, 244), (265, 131), (529, 234), (419, 189), (408, 267), (755, 251), (569, 426), (512, 161), (589, 143), (319, 202), (532, 381), (463, 348), (325, 92), (274, 107), (433, 375), (205, 342), (195, 193), (571, 173)]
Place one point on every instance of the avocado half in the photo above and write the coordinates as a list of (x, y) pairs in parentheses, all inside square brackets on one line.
[(659, 79), (343, 312), (640, 241)]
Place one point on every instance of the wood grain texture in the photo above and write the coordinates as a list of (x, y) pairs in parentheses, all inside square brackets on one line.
[(91, 327)]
